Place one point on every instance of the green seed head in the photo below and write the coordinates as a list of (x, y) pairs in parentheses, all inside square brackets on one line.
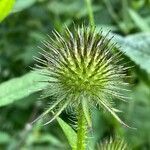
[(82, 68), (113, 144)]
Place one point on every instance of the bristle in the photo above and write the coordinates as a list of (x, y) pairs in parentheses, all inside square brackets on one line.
[(85, 64)]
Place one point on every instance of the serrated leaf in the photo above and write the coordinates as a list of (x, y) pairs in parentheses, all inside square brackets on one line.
[(69, 132), (18, 88), (137, 48), (5, 8)]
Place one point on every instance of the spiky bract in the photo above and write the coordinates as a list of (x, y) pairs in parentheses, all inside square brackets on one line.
[(82, 68), (116, 144)]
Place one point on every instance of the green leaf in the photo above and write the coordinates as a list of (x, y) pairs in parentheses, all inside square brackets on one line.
[(139, 21), (139, 110), (69, 132), (43, 138), (5, 8), (18, 88), (4, 137), (22, 4), (137, 48)]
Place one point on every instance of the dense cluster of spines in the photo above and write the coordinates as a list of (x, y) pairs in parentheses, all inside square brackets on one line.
[(82, 68), (116, 144)]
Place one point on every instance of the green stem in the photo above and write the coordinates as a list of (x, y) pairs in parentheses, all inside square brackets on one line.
[(90, 11), (82, 129)]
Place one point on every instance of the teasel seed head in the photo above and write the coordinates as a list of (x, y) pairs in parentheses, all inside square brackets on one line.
[(113, 144), (82, 69)]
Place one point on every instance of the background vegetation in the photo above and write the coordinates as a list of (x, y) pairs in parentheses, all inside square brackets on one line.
[(22, 31)]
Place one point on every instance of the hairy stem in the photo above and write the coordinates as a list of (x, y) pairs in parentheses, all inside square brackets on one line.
[(82, 129)]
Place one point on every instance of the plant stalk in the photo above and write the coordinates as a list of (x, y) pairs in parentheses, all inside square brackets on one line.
[(82, 129), (90, 12)]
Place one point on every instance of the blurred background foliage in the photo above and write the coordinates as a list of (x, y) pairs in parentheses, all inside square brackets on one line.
[(22, 31)]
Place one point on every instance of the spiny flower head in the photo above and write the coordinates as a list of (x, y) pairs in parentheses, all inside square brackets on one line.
[(81, 69), (113, 144)]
